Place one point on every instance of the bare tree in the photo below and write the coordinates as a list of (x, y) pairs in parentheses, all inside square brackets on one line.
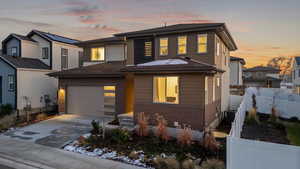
[(284, 63)]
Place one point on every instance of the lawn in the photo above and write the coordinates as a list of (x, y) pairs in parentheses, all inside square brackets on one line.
[(293, 132)]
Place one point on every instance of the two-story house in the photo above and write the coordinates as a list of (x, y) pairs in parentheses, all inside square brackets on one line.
[(25, 63), (296, 74), (236, 71), (180, 71), (262, 76)]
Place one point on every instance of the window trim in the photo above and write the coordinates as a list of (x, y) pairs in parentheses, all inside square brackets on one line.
[(198, 43), (11, 49), (186, 41), (67, 59), (166, 38), (153, 91), (13, 82), (43, 57), (104, 57)]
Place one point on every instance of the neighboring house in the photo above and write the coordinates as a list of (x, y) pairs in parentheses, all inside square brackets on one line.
[(25, 63), (296, 74), (236, 71), (180, 71), (261, 76)]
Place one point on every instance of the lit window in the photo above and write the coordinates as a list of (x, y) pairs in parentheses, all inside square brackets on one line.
[(45, 53), (11, 82), (163, 46), (98, 54), (112, 88), (182, 45), (148, 49), (202, 43), (165, 89)]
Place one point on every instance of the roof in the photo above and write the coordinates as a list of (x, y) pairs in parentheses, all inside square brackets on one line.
[(102, 40), (297, 59), (54, 37), (176, 64), (241, 60), (219, 28), (27, 63), (21, 37), (263, 69), (110, 69)]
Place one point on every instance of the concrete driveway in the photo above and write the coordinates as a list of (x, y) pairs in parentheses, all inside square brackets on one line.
[(55, 132)]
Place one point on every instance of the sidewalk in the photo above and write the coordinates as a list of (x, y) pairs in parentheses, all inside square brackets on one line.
[(38, 156)]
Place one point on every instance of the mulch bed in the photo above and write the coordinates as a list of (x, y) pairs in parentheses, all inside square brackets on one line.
[(265, 131)]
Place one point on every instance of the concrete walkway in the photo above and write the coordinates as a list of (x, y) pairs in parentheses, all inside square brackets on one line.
[(18, 153)]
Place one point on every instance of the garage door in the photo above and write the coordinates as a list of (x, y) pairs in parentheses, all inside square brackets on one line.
[(85, 100)]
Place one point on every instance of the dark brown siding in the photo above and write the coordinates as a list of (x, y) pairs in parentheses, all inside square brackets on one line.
[(190, 109), (119, 82)]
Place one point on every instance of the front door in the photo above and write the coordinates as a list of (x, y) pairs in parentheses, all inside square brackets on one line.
[(1, 90)]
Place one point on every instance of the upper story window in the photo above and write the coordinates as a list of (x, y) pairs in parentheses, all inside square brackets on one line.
[(163, 46), (165, 89), (13, 51), (206, 90), (64, 58), (218, 48), (182, 40), (98, 54), (45, 53), (202, 43), (148, 48), (11, 82)]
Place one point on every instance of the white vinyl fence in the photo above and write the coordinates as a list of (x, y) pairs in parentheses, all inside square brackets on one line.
[(251, 154)]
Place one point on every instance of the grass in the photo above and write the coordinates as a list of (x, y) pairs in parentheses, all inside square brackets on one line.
[(293, 132)]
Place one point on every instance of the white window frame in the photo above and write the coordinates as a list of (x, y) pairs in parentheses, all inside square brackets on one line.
[(199, 43), (11, 83), (16, 51), (218, 48), (63, 67), (214, 89), (154, 91), (160, 46), (45, 55), (185, 45)]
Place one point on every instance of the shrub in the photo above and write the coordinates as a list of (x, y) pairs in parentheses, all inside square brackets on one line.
[(143, 124), (5, 110), (189, 164), (274, 115), (209, 141), (119, 135), (213, 164), (96, 129), (166, 163), (41, 116), (252, 118), (185, 136), (161, 128), (294, 119)]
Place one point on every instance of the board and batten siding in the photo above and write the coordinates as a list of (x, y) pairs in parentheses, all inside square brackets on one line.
[(35, 84), (8, 97), (236, 73), (30, 49), (13, 43), (190, 109)]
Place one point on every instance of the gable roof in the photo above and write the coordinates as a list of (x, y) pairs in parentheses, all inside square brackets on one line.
[(17, 36), (110, 69), (54, 37), (263, 69), (241, 60), (219, 28), (297, 59), (27, 63), (176, 64), (102, 40)]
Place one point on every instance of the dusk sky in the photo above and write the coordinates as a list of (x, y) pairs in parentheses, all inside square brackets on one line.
[(262, 29)]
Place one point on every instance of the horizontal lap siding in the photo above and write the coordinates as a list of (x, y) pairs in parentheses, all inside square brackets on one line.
[(191, 101)]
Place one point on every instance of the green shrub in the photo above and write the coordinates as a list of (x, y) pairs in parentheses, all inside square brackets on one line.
[(294, 119), (5, 110), (119, 136), (252, 118)]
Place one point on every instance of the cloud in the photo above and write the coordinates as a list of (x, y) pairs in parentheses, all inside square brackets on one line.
[(4, 20), (106, 28)]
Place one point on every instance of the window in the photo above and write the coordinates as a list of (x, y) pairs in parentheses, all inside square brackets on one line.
[(163, 46), (218, 82), (206, 90), (13, 51), (98, 54), (45, 53), (202, 43), (214, 89), (182, 45), (109, 91), (218, 48), (11, 82), (165, 89), (64, 58), (148, 49)]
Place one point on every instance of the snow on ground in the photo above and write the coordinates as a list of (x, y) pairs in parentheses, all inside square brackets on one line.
[(164, 62)]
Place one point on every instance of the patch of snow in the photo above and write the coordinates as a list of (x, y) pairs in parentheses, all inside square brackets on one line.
[(164, 62)]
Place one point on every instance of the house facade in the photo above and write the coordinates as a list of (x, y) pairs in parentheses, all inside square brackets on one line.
[(25, 63), (236, 71), (261, 76), (180, 71), (296, 74)]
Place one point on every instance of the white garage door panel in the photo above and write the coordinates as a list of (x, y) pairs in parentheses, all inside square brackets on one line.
[(86, 100)]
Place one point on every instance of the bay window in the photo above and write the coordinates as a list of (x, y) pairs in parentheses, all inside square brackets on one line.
[(165, 89)]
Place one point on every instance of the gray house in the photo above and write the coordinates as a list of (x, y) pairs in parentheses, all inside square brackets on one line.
[(7, 89)]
